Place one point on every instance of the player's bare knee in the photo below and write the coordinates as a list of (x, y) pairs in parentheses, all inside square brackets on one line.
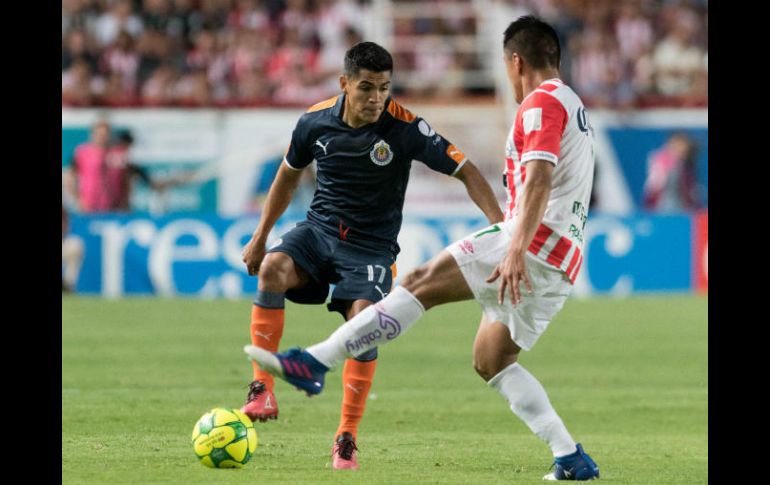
[(481, 368), (272, 276)]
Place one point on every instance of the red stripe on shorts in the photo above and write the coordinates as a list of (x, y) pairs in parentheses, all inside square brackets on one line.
[(573, 277), (573, 261), (556, 257), (541, 235)]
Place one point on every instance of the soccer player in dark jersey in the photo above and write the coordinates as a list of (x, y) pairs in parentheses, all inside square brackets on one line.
[(363, 143)]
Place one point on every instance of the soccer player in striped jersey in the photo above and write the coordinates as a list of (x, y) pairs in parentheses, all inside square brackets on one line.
[(363, 143), (548, 173)]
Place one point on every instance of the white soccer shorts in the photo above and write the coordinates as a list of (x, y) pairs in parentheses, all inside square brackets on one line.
[(478, 254)]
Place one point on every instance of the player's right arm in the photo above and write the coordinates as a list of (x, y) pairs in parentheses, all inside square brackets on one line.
[(542, 119), (298, 156), (278, 198)]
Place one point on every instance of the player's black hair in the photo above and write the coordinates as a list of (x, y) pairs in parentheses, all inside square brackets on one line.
[(534, 40), (369, 56)]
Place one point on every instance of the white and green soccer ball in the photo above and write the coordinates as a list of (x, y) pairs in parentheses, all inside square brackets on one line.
[(224, 438)]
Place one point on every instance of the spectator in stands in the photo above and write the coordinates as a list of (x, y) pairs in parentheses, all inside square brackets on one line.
[(677, 62), (596, 68), (161, 89), (77, 85), (101, 175), (120, 17), (633, 31), (156, 15), (116, 93), (193, 90), (329, 60), (671, 178), (77, 46), (121, 58), (154, 51)]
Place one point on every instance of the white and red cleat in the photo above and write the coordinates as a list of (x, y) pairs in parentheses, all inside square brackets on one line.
[(260, 403), (344, 453)]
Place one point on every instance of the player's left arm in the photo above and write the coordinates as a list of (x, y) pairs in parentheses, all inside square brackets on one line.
[(442, 156), (480, 192)]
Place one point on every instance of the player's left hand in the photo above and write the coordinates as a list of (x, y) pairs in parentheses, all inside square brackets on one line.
[(513, 271)]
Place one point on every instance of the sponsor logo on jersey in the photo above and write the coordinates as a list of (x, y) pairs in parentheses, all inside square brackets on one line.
[(318, 142), (381, 154), (466, 246), (425, 128), (582, 120)]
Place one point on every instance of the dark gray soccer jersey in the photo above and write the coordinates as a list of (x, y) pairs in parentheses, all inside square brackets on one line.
[(362, 172)]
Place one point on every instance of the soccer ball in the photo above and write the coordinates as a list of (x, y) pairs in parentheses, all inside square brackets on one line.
[(224, 438)]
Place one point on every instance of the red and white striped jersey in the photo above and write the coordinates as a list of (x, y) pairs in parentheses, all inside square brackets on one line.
[(551, 124)]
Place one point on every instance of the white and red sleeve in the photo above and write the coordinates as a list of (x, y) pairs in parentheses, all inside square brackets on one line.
[(543, 120)]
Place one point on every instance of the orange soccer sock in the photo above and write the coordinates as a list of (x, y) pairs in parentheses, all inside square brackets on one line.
[(266, 332), (357, 379)]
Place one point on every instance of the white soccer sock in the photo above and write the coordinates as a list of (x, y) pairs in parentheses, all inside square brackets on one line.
[(378, 324), (529, 402)]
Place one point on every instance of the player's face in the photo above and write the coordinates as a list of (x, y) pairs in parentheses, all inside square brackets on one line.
[(513, 69), (365, 96)]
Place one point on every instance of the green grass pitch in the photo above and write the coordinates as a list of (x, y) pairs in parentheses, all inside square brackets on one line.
[(628, 376)]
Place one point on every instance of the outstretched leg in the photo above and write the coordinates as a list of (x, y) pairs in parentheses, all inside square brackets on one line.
[(439, 281)]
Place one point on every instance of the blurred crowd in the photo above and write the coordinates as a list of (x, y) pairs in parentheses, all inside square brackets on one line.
[(633, 53), (227, 53), (203, 52)]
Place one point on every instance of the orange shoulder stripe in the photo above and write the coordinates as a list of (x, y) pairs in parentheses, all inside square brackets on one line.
[(399, 112), (323, 104)]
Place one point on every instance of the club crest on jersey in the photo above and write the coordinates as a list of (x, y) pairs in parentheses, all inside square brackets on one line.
[(381, 154)]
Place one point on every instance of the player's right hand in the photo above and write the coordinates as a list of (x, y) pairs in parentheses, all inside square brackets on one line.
[(253, 254), (512, 270)]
